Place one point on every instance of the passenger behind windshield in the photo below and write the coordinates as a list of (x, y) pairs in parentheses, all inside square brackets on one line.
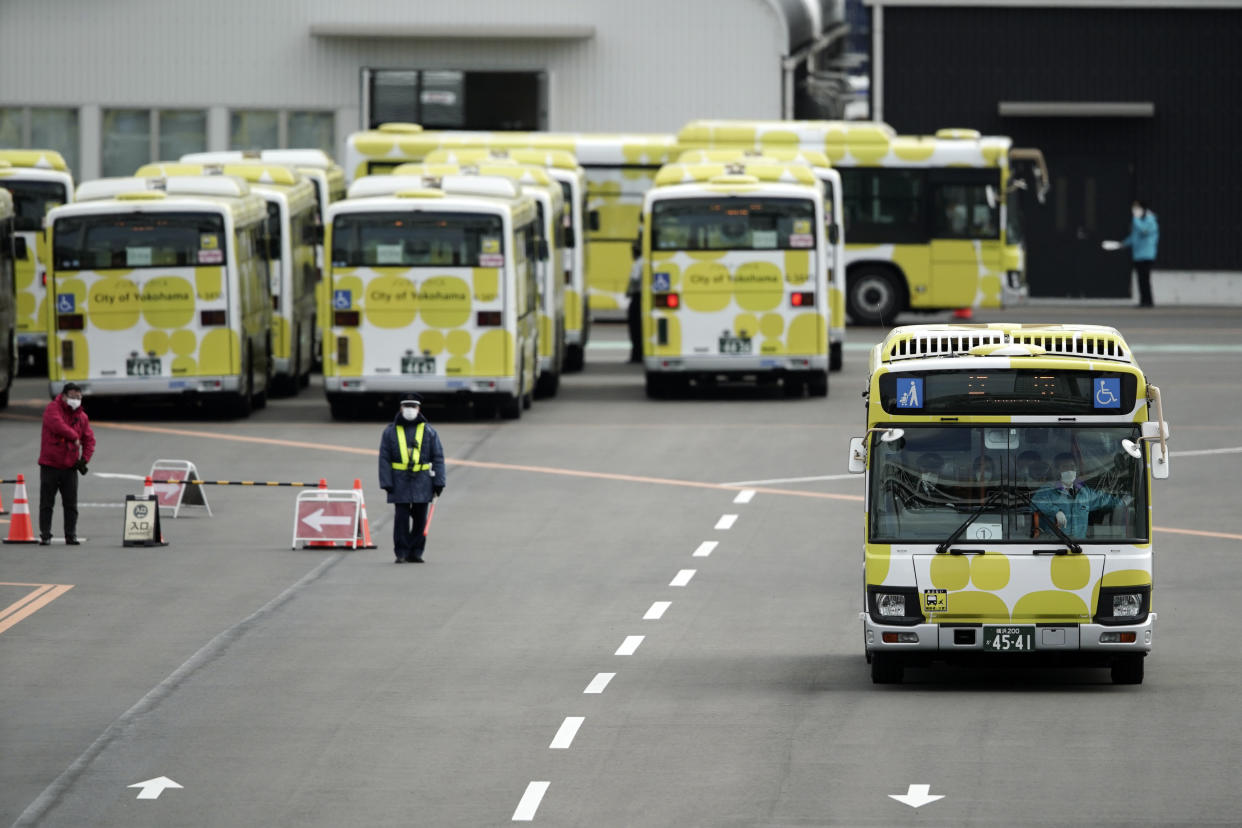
[(1070, 502)]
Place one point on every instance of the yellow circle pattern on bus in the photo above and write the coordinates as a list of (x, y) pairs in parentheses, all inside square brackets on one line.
[(114, 303)]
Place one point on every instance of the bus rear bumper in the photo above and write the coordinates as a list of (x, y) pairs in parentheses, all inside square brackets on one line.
[(150, 386), (423, 384), (734, 365)]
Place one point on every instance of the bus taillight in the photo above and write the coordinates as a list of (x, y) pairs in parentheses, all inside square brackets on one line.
[(211, 317), (801, 300), (345, 318), (488, 319), (70, 322), (672, 301)]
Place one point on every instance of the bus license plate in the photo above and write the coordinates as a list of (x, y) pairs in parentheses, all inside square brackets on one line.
[(418, 365), (735, 345), (142, 367), (1008, 639)]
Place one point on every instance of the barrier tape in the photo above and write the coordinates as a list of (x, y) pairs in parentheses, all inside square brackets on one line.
[(295, 484)]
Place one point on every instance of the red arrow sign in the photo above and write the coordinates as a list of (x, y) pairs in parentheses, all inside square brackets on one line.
[(330, 520)]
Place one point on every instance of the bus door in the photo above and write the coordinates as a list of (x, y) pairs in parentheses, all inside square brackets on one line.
[(614, 198), (965, 238)]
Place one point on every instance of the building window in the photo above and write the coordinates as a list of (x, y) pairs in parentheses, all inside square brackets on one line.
[(312, 130), (254, 129), (450, 99), (126, 141), (51, 128), (181, 131)]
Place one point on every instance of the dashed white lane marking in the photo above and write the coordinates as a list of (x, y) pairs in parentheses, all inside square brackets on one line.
[(744, 496), (726, 521), (530, 801), (657, 610), (706, 548), (565, 736), (630, 644), (598, 683), (682, 578)]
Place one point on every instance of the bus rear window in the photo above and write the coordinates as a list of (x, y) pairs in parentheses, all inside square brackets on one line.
[(133, 240), (733, 224), (32, 200), (417, 240)]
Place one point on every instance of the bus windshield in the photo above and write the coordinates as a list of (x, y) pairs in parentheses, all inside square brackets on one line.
[(32, 200), (131, 240), (403, 239), (1080, 478), (733, 224)]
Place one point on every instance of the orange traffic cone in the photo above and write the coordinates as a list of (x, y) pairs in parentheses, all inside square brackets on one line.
[(323, 484), (21, 530), (963, 313), (148, 490), (364, 526)]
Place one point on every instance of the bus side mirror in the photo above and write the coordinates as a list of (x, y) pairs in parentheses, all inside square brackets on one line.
[(858, 456), (834, 233), (1152, 433), (571, 240), (593, 219), (20, 251)]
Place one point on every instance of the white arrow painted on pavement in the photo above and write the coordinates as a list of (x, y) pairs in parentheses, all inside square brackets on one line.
[(317, 520), (152, 788), (917, 796)]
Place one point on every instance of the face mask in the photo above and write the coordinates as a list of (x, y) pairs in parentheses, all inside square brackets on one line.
[(73, 403), (930, 478), (1067, 477), (1137, 211), (409, 413)]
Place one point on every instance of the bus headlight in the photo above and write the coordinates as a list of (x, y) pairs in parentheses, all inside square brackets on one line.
[(890, 605), (1123, 605), (1127, 604)]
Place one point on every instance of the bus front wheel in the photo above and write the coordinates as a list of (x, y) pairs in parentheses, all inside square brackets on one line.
[(887, 668), (874, 296), (1128, 669)]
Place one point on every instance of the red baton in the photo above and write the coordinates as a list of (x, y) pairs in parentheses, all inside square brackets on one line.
[(431, 510)]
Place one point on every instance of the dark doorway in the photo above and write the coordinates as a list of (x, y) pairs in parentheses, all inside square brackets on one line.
[(1088, 203), (450, 99)]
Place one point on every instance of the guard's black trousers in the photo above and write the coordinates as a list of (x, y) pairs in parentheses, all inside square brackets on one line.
[(408, 540), (1142, 269), (51, 481)]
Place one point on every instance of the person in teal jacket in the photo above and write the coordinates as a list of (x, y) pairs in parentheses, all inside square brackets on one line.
[(1142, 241)]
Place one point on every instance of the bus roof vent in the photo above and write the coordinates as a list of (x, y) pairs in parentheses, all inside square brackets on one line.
[(425, 192), (141, 195), (958, 134), (946, 342), (219, 186), (482, 185), (400, 128), (1095, 344), (386, 185)]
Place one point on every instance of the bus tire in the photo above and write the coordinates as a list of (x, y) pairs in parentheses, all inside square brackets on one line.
[(887, 668), (1128, 669), (874, 295), (260, 398), (341, 407), (511, 408), (835, 358), (817, 384), (574, 358), (243, 403), (548, 384), (659, 387)]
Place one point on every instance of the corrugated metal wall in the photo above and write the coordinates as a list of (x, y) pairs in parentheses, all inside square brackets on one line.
[(651, 66), (951, 66)]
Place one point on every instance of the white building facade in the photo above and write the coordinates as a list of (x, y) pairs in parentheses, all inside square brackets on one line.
[(116, 84)]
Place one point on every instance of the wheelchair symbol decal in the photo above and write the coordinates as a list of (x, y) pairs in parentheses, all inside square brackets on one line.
[(1108, 392), (661, 282), (342, 299), (65, 303)]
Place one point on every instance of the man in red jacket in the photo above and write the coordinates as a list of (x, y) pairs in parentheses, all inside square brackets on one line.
[(68, 444)]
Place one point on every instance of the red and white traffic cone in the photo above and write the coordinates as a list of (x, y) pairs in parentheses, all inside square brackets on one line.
[(148, 490), (323, 484), (364, 526), (21, 530)]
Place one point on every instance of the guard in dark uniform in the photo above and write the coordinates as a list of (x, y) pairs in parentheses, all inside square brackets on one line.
[(411, 471)]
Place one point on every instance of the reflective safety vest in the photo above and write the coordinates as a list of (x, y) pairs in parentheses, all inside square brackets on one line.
[(408, 457)]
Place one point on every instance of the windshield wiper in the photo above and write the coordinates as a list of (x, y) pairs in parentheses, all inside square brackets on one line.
[(1069, 542), (989, 501)]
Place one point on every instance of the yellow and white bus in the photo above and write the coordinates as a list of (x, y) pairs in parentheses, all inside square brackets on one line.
[(931, 222), (293, 240), (325, 174), (1008, 511), (550, 208), (10, 246), (160, 289), (619, 170), (563, 168), (734, 282), (433, 288), (835, 257), (38, 180)]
